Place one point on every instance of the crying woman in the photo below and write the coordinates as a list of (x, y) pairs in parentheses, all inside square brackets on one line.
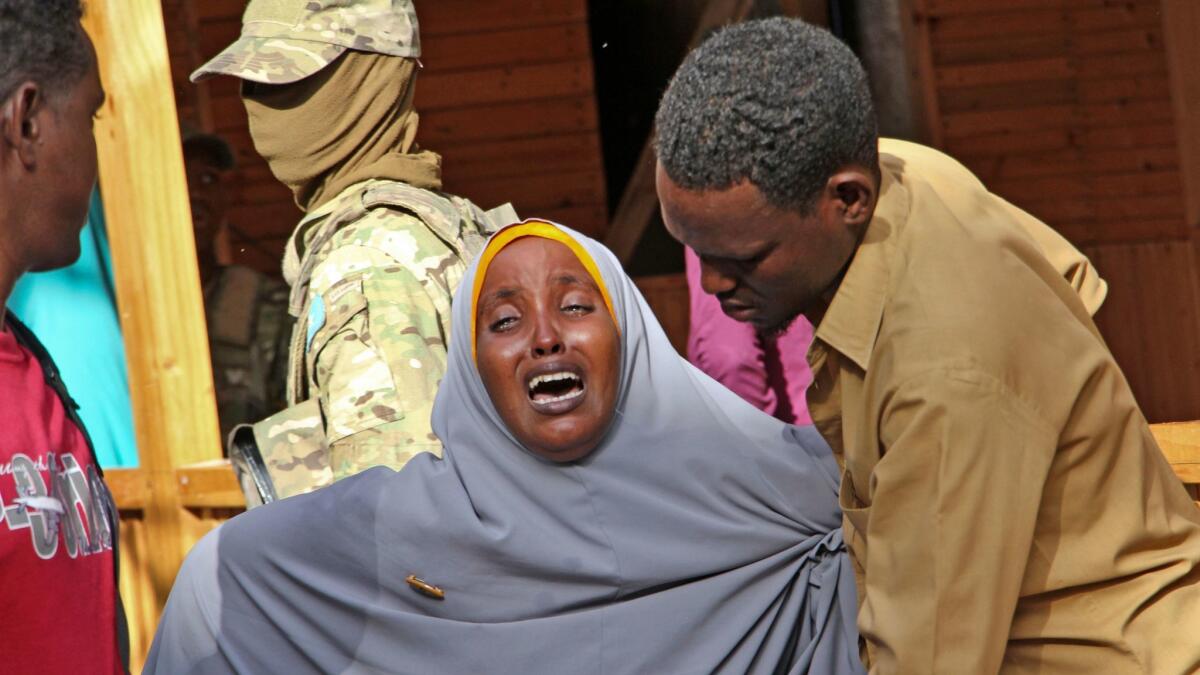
[(600, 507)]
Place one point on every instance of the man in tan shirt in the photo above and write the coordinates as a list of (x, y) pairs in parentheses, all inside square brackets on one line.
[(1005, 504)]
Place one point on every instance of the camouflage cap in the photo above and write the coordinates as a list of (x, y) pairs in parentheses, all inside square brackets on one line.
[(285, 41)]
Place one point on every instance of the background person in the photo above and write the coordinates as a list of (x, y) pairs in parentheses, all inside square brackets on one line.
[(249, 329), (58, 523), (328, 88), (1005, 503)]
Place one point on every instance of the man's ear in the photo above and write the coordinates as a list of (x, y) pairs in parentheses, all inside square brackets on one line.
[(855, 191), (21, 123)]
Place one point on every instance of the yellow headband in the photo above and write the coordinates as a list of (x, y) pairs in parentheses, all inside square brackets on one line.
[(545, 230)]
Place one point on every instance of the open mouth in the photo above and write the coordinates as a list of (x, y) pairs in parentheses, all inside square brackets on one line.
[(555, 390)]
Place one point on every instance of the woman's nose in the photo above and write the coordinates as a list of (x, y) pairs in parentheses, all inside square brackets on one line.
[(546, 341)]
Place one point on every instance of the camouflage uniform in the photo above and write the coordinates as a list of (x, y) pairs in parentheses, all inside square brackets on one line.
[(248, 336), (372, 270)]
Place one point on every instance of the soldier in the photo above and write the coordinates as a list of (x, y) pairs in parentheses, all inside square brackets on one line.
[(248, 323), (328, 88)]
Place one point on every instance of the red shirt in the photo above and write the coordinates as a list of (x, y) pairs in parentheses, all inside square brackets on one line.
[(57, 590)]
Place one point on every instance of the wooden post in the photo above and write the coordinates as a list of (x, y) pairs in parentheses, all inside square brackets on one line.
[(1181, 25), (154, 263)]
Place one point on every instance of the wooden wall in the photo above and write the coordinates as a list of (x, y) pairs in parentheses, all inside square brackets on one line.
[(506, 96), (1064, 107)]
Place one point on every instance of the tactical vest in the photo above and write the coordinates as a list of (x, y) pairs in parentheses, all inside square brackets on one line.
[(292, 443)]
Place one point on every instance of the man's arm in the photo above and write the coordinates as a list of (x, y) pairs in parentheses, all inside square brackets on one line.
[(953, 506), (376, 361)]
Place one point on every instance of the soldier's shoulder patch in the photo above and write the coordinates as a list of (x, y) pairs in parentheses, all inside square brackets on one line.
[(316, 319)]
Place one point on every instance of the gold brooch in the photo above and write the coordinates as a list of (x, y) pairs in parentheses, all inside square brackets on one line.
[(425, 588)]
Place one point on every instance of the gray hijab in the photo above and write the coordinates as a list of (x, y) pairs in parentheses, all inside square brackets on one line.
[(700, 536)]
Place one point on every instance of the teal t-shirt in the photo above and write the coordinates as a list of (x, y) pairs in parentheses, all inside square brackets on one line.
[(73, 312)]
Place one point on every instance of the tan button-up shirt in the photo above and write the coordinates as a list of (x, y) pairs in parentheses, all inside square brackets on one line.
[(1005, 505)]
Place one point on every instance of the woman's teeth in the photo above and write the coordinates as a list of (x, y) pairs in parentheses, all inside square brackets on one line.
[(553, 387)]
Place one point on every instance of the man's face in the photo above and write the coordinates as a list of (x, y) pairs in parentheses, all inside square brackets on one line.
[(61, 185), (207, 195), (765, 264)]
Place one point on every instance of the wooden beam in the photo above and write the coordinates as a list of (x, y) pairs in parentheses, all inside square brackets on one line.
[(209, 485), (639, 201), (154, 263), (1181, 26), (923, 85), (815, 12)]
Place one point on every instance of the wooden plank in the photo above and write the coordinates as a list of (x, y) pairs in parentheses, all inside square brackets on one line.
[(1072, 162), (156, 277), (209, 485), (438, 91), (918, 49), (1114, 16), (220, 9), (1093, 115), (1124, 232), (531, 156), (1001, 47), (523, 119), (1155, 87), (1154, 183), (1008, 144), (449, 17), (1037, 21), (1016, 144), (1032, 70), (1181, 21), (967, 7), (1006, 47), (1050, 208), (130, 487), (1141, 39), (532, 193), (590, 219), (1046, 19), (1121, 65), (518, 46), (1007, 96), (1180, 443)]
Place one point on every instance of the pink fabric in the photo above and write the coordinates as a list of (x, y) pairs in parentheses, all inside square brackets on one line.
[(772, 374)]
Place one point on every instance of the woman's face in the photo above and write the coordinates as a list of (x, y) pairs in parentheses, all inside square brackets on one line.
[(547, 349)]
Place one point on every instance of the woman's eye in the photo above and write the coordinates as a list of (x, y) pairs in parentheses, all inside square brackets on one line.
[(577, 308), (502, 324)]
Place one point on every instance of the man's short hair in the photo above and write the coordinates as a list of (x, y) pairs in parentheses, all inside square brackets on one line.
[(777, 102), (42, 41)]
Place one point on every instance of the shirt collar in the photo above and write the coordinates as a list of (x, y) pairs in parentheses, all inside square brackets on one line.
[(851, 322)]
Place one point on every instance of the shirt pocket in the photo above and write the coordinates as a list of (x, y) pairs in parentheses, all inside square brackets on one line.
[(349, 373)]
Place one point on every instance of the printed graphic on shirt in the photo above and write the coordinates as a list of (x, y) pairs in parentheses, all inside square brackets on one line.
[(57, 501)]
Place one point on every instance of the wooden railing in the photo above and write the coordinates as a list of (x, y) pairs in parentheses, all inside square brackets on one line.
[(209, 495)]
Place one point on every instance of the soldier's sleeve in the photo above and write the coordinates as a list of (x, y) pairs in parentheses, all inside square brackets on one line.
[(376, 352)]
